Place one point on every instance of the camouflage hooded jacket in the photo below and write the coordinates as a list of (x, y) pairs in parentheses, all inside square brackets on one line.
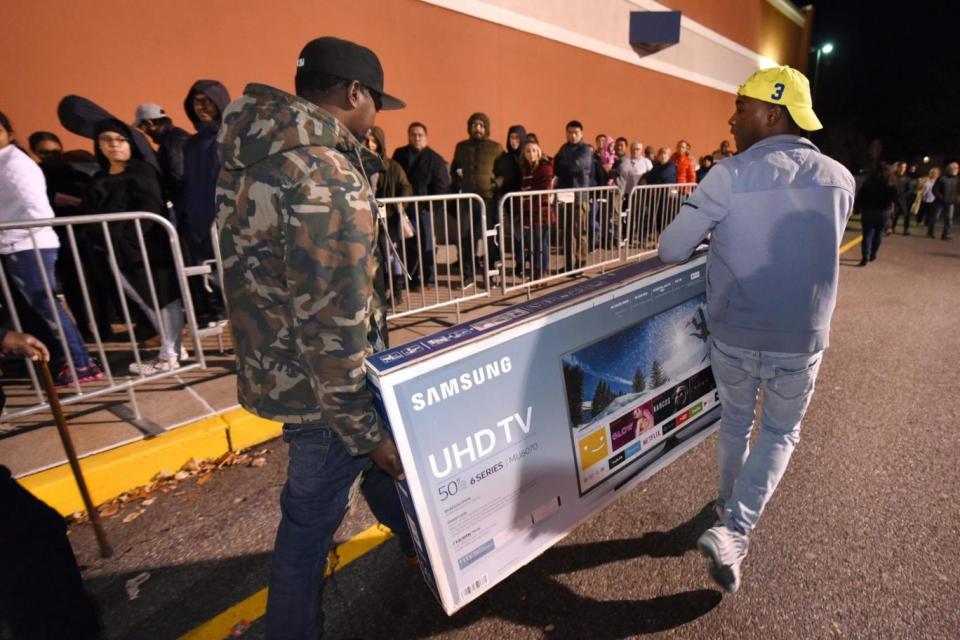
[(298, 237)]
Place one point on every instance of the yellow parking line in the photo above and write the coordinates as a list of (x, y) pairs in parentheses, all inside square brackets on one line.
[(850, 245), (255, 606)]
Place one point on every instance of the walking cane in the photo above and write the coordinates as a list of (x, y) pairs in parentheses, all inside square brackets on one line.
[(105, 549)]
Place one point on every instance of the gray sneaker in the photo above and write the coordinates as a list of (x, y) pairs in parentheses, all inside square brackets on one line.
[(725, 549)]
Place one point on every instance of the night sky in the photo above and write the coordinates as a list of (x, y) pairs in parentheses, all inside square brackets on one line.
[(892, 77)]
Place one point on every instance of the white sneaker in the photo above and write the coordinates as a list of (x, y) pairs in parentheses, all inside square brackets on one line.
[(725, 549), (184, 354), (153, 367)]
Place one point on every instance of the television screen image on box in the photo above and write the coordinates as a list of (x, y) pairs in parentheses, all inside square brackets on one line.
[(631, 391)]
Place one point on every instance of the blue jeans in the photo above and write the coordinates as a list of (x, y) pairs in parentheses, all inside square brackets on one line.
[(312, 504), (27, 276), (748, 477), (538, 244)]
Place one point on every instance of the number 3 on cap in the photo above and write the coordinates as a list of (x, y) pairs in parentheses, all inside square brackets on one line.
[(779, 91)]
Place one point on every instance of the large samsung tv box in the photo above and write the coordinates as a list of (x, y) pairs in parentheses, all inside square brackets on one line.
[(516, 427)]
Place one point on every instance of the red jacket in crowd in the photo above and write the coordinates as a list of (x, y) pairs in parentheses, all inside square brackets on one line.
[(685, 169), (537, 209)]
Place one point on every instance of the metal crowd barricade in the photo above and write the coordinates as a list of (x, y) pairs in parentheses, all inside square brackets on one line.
[(650, 209), (445, 263), (93, 229), (557, 233)]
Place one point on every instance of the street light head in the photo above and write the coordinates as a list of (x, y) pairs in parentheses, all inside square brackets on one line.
[(827, 48)]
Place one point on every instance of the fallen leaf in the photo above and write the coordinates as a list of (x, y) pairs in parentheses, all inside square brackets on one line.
[(130, 517), (109, 510), (148, 502), (238, 500), (204, 479), (190, 465), (164, 474), (181, 475), (258, 462), (263, 452), (179, 493)]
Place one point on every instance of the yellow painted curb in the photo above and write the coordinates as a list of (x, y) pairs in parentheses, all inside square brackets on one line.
[(247, 430), (851, 244), (252, 608), (112, 472)]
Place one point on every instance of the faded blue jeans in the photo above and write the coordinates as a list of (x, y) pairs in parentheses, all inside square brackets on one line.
[(312, 504), (748, 477)]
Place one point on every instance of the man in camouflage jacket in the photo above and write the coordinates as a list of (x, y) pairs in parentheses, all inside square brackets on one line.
[(298, 235)]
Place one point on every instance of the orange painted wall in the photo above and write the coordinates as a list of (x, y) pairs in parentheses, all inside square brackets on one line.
[(444, 64)]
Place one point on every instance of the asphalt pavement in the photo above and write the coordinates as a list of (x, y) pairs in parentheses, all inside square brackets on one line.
[(861, 539)]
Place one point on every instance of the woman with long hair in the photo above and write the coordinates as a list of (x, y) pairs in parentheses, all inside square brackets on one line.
[(538, 212)]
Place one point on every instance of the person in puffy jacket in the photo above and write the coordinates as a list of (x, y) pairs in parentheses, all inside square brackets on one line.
[(686, 171), (472, 172)]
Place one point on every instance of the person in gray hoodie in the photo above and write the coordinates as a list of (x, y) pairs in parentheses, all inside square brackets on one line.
[(775, 214), (945, 197)]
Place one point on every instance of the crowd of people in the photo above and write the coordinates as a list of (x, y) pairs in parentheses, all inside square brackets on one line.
[(897, 193), (175, 177)]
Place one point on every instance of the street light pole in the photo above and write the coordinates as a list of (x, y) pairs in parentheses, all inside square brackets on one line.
[(826, 49)]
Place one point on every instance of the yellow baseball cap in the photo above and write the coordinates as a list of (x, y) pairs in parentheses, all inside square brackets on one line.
[(785, 86)]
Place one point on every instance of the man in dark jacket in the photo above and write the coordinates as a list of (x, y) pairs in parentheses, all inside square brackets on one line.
[(509, 178), (945, 195), (171, 141), (429, 175), (472, 172), (573, 167), (204, 105)]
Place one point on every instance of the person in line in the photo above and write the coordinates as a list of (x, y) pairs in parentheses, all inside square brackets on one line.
[(391, 182), (538, 213), (706, 163), (508, 176), (300, 273), (776, 215), (23, 198), (171, 143), (204, 105), (472, 172), (875, 203), (686, 172), (127, 183), (724, 151), (67, 181), (573, 168), (945, 198), (429, 175)]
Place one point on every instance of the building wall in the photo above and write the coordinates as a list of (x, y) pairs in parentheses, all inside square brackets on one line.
[(443, 60)]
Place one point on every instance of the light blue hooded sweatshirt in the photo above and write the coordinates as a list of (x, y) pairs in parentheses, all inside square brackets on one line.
[(776, 215)]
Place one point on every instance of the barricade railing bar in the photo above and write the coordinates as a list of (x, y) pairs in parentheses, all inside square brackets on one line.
[(558, 233), (650, 208), (84, 261), (444, 262)]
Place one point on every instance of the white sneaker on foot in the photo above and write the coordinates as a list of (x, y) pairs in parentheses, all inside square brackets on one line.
[(153, 367), (725, 549)]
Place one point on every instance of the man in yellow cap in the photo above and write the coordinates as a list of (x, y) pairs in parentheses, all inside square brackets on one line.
[(775, 214)]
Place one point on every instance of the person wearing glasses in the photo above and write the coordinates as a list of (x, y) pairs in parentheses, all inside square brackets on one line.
[(127, 183)]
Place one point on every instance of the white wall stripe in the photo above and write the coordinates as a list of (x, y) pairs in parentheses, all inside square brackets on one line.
[(489, 11)]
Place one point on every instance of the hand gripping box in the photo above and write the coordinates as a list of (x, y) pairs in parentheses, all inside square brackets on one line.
[(516, 427)]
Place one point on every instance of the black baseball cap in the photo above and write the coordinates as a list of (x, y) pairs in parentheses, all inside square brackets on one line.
[(347, 60)]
